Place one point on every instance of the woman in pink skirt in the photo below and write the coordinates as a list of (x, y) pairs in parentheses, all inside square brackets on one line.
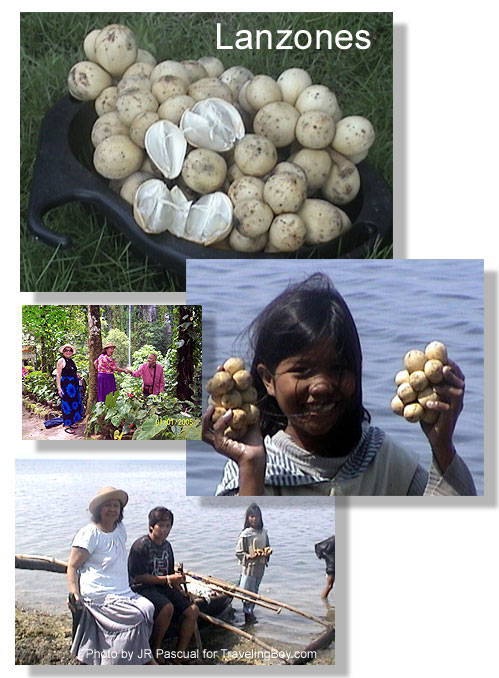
[(106, 367)]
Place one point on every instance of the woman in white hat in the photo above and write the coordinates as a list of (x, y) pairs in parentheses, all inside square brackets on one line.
[(68, 388), (106, 367), (116, 623)]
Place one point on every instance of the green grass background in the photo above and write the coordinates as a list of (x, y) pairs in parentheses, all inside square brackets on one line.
[(101, 259)]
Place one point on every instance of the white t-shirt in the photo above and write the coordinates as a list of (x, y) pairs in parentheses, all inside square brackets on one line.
[(106, 570)]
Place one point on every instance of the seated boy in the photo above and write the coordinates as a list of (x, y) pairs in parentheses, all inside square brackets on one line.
[(151, 571)]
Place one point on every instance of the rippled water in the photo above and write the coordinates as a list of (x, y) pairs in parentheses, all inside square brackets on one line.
[(397, 305), (51, 501)]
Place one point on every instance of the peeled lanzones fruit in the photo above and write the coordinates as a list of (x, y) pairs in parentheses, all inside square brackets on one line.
[(422, 370), (231, 388)]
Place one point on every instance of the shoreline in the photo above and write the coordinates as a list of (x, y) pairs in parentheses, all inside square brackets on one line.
[(43, 638)]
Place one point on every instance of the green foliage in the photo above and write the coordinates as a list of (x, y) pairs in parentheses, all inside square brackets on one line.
[(51, 326), (41, 387), (125, 416), (120, 339)]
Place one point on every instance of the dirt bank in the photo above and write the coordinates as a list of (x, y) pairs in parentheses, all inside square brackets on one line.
[(33, 428), (43, 638)]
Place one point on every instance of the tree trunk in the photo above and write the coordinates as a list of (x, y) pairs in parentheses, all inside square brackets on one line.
[(94, 348), (43, 364), (168, 327), (185, 355)]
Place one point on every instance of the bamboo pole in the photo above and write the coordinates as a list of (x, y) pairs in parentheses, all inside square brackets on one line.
[(233, 594), (196, 633), (254, 596), (244, 634)]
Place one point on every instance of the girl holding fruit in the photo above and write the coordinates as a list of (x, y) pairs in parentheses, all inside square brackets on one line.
[(314, 436), (253, 552)]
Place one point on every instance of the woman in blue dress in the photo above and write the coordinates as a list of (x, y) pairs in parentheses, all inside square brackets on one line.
[(68, 388)]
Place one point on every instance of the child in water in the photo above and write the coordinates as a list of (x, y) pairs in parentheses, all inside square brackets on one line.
[(314, 435), (253, 537)]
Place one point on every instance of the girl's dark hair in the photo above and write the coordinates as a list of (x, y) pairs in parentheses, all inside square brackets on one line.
[(96, 515), (159, 513), (253, 510), (307, 314)]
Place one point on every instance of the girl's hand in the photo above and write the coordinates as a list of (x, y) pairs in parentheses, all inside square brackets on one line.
[(248, 453), (439, 434), (60, 392)]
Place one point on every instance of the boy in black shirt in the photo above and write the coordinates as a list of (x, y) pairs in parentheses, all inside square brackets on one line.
[(152, 574)]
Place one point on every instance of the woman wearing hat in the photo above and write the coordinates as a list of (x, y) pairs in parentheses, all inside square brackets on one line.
[(115, 623), (68, 388), (106, 367)]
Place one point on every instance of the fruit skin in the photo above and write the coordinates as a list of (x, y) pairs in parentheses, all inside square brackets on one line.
[(433, 370), (220, 383), (418, 380), (116, 157), (413, 412), (437, 350), (115, 49), (401, 376), (86, 80), (232, 365), (232, 399), (406, 393), (414, 360), (397, 405), (242, 379)]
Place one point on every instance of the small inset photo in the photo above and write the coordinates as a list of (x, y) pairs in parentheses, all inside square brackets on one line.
[(340, 378), (123, 372), (130, 571)]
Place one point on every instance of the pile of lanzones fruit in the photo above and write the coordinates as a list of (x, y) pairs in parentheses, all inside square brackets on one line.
[(231, 388), (220, 156)]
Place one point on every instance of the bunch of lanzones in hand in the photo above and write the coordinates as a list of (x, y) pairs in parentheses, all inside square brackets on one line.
[(415, 383), (231, 388)]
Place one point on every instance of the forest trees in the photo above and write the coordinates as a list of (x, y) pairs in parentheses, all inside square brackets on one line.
[(94, 348), (51, 326)]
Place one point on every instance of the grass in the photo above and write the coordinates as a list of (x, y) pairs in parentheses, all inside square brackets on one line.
[(103, 259)]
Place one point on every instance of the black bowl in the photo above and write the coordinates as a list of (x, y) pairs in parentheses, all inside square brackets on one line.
[(63, 173)]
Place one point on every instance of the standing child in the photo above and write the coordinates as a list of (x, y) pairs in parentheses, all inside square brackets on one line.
[(314, 436), (252, 540), (325, 550)]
